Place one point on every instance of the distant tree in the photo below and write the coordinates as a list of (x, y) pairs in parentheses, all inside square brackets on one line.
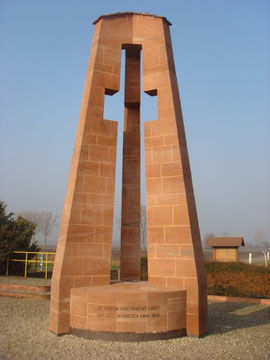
[(35, 217), (206, 237), (266, 244), (259, 238), (143, 227), (44, 221), (225, 234), (15, 233), (47, 222)]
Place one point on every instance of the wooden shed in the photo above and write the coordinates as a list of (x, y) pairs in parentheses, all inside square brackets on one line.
[(225, 248)]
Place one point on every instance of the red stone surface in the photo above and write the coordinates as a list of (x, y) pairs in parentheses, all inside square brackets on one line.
[(175, 256), (238, 299), (128, 307), (24, 291), (24, 295), (29, 288), (131, 200)]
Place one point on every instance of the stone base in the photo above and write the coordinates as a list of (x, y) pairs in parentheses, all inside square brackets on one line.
[(129, 311), (127, 337)]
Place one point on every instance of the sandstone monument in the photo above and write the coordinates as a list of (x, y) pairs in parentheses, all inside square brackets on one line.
[(173, 302)]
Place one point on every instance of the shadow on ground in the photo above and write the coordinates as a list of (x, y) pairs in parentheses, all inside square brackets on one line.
[(233, 316)]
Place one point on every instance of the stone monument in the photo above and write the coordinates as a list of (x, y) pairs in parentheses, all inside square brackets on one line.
[(173, 302)]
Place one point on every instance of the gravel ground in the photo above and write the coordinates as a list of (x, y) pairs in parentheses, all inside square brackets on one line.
[(24, 281), (236, 331)]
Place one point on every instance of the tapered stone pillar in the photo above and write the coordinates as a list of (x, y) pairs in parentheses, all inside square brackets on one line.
[(176, 290), (175, 257), (83, 254), (130, 232)]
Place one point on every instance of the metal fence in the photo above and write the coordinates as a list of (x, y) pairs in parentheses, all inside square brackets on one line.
[(41, 258)]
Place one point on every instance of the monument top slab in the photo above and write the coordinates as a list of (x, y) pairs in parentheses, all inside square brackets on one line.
[(130, 13)]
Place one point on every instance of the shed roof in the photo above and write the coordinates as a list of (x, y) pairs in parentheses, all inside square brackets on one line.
[(130, 13), (226, 242)]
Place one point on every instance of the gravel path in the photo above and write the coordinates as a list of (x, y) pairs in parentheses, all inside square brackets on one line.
[(236, 331)]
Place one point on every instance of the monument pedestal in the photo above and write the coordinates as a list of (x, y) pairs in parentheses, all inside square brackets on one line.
[(128, 311)]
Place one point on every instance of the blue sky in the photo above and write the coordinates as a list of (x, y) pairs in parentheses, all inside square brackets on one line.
[(222, 57)]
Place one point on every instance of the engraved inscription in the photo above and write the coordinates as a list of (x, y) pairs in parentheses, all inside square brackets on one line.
[(123, 312)]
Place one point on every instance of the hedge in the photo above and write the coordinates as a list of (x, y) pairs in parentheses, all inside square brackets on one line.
[(232, 279), (238, 279)]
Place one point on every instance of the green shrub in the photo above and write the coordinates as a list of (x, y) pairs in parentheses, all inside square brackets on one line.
[(214, 267), (15, 234)]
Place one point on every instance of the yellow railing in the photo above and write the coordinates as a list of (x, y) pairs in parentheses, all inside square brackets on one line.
[(43, 259)]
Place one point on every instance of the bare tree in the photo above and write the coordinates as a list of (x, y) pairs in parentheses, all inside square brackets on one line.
[(206, 237), (259, 238), (33, 216), (48, 222), (143, 227), (44, 221), (225, 234)]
